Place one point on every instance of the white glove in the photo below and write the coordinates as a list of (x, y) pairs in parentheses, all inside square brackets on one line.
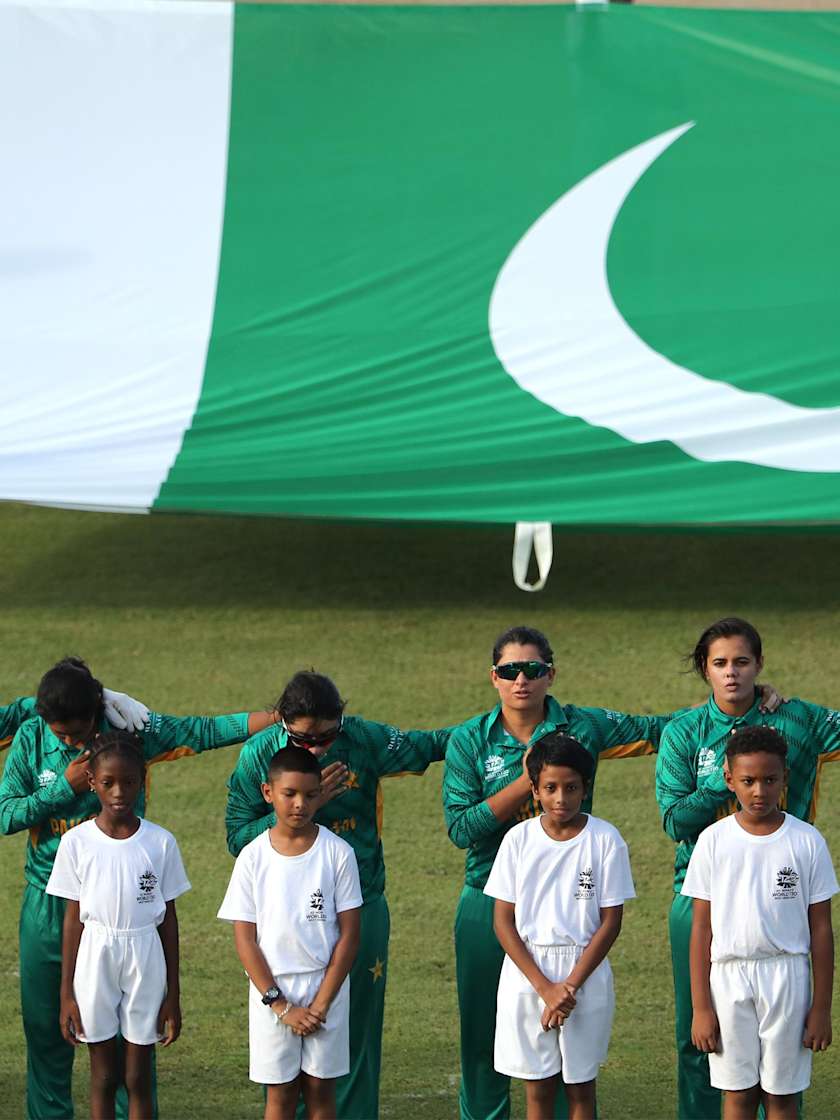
[(124, 712)]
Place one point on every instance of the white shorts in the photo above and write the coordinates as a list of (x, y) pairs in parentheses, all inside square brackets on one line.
[(577, 1049), (278, 1054), (761, 1007), (119, 983)]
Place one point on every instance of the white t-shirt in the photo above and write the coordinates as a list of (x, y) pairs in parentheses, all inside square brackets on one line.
[(559, 886), (760, 887), (122, 884), (294, 900)]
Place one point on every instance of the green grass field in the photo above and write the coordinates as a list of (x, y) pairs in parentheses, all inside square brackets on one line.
[(199, 615)]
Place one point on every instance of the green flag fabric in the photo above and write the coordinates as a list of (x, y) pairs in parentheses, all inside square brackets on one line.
[(449, 263)]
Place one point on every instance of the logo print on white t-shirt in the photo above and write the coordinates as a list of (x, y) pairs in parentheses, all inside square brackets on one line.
[(147, 883), (316, 907), (586, 886), (786, 880)]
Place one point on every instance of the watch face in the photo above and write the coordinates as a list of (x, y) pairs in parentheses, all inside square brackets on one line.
[(270, 996)]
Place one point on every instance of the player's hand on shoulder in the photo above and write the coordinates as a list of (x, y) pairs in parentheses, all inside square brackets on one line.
[(817, 1030), (124, 712), (771, 698), (705, 1033), (333, 781), (169, 1020), (70, 1021), (76, 772)]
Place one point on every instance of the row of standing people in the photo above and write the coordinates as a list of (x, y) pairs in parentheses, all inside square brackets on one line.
[(485, 793)]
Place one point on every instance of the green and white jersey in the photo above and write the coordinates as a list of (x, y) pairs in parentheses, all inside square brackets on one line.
[(690, 788), (13, 715), (34, 793), (370, 751), (483, 758)]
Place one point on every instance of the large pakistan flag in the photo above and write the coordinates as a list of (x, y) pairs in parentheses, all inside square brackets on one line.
[(484, 264)]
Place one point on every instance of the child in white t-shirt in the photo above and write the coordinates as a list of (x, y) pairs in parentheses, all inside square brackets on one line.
[(560, 882), (295, 902), (119, 969), (762, 883)]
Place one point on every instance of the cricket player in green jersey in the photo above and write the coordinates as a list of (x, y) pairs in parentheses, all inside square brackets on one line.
[(121, 711), (692, 794), (486, 790), (45, 788), (355, 754)]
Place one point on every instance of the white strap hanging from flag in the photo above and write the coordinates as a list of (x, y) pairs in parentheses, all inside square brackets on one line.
[(528, 536)]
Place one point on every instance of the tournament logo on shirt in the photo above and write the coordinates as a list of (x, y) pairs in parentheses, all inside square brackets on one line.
[(46, 778), (494, 767), (706, 761), (786, 880), (586, 886), (395, 739), (147, 883), (316, 907)]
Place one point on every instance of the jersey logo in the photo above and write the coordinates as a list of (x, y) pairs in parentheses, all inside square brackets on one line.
[(395, 739), (832, 717), (316, 907), (706, 761), (46, 778), (786, 880), (494, 767), (615, 717), (586, 885), (147, 883)]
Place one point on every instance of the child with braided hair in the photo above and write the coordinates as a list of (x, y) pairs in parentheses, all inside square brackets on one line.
[(120, 875)]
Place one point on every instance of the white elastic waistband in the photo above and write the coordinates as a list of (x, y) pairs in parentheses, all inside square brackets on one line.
[(103, 930), (559, 950), (766, 957)]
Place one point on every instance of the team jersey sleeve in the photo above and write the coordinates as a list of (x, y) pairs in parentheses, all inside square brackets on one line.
[(468, 816), (822, 881), (239, 904), (169, 737), (174, 881), (686, 809), (501, 882), (13, 715), (698, 876), (348, 890), (399, 752), (64, 880), (826, 728), (22, 805), (616, 876), (619, 735), (247, 813)]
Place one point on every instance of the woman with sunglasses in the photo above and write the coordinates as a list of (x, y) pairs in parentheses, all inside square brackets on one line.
[(356, 754), (486, 790)]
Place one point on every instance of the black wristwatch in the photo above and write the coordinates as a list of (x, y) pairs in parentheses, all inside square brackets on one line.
[(271, 995)]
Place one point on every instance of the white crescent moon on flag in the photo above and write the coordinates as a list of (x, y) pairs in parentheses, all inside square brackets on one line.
[(557, 331)]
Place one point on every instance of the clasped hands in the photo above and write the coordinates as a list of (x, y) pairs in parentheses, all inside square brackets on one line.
[(559, 999)]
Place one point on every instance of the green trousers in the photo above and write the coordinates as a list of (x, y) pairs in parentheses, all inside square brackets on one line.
[(485, 1094), (49, 1059), (357, 1094), (696, 1099)]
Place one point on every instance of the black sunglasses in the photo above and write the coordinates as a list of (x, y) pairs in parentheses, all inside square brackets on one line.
[(304, 739), (510, 670)]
